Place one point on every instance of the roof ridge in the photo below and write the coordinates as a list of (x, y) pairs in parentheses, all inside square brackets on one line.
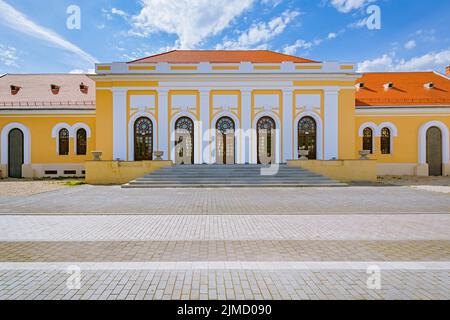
[(153, 55), (442, 75), (392, 72), (46, 74), (179, 54)]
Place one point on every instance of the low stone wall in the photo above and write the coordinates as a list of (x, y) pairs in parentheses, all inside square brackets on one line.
[(120, 172), (342, 170)]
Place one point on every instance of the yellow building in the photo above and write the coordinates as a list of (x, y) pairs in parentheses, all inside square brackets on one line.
[(224, 107)]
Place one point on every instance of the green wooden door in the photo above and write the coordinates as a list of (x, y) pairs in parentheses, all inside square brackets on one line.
[(15, 153), (434, 151)]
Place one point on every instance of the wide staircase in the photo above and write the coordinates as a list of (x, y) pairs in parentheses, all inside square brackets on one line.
[(221, 176)]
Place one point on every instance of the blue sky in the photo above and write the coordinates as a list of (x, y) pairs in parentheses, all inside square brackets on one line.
[(34, 37)]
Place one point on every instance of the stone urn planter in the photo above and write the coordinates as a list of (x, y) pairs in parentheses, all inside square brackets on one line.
[(364, 154), (97, 155), (158, 155), (303, 154)]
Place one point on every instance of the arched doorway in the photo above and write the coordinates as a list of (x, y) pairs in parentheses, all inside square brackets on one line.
[(225, 141), (307, 137), (266, 140), (434, 151), (15, 153), (143, 139), (184, 141)]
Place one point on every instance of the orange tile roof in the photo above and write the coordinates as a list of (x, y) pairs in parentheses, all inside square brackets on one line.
[(408, 89), (35, 92), (222, 56)]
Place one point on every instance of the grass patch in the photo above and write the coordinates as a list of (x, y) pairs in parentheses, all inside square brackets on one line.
[(74, 183)]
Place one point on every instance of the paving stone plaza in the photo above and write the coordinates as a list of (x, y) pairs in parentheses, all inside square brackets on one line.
[(355, 242)]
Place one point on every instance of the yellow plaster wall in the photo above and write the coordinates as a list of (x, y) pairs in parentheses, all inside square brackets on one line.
[(153, 112), (43, 145), (104, 123), (213, 112), (116, 173), (296, 113), (196, 115), (346, 129), (255, 114), (404, 147), (342, 170)]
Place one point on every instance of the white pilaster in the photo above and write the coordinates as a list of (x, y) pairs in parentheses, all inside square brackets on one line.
[(331, 124), (119, 124), (246, 124), (163, 122), (205, 145), (287, 125)]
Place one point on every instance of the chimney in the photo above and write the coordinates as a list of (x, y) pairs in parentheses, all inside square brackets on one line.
[(14, 90), (359, 85), (447, 71), (54, 88), (388, 86), (84, 88)]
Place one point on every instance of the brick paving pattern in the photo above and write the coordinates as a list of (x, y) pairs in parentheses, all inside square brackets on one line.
[(245, 228), (232, 285), (90, 199)]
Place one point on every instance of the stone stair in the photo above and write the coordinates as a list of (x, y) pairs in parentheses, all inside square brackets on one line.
[(227, 176)]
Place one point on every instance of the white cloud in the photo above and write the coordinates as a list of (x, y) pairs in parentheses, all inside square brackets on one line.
[(191, 20), (16, 20), (389, 62), (273, 3), (411, 44), (332, 35), (305, 45), (346, 6), (8, 56), (299, 44), (259, 34), (81, 71), (119, 12), (362, 23)]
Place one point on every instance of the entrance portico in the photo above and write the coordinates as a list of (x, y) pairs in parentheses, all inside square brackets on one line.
[(244, 93)]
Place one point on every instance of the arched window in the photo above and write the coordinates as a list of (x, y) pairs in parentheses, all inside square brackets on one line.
[(368, 139), (63, 140), (225, 141), (265, 131), (307, 136), (81, 142), (184, 141), (143, 139), (385, 141)]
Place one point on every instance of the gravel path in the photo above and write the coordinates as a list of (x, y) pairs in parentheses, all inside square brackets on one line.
[(28, 187)]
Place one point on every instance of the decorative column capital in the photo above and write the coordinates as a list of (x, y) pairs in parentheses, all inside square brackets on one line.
[(332, 91), (287, 91), (119, 91), (163, 91)]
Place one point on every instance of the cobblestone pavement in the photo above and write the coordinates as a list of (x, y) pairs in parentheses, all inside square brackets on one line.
[(224, 227), (226, 243), (225, 256), (210, 284), (355, 199)]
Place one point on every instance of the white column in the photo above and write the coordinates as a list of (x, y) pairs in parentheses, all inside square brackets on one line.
[(246, 124), (287, 125), (119, 124), (205, 155), (331, 125), (163, 123)]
